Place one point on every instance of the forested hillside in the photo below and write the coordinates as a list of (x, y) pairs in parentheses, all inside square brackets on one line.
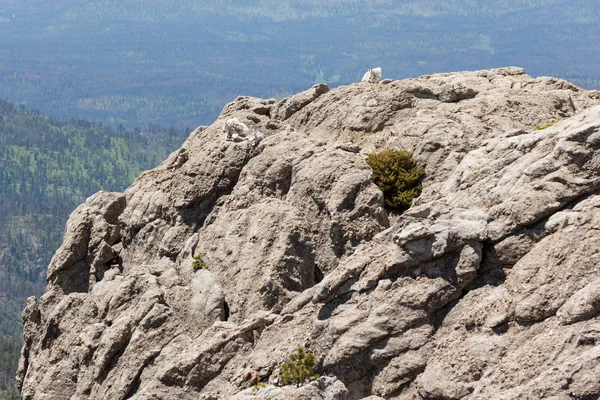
[(178, 62), (47, 168)]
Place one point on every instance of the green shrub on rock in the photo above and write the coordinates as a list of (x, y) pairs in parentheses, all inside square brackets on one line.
[(299, 368), (257, 386), (199, 263), (398, 176)]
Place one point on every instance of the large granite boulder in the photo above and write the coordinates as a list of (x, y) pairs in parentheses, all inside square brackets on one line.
[(486, 288)]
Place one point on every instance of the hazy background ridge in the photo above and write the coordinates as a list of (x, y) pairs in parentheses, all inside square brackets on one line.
[(178, 62)]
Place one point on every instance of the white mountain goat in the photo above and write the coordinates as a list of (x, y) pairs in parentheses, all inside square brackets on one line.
[(238, 131), (373, 75), (234, 129)]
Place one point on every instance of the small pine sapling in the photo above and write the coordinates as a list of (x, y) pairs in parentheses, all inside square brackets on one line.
[(299, 368)]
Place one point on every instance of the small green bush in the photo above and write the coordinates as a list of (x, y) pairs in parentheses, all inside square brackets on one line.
[(199, 263), (257, 386), (398, 176), (299, 368)]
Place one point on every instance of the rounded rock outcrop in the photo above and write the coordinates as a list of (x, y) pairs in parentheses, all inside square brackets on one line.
[(484, 289)]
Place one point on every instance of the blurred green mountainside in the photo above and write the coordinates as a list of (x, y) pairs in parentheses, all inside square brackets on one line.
[(178, 62), (47, 168)]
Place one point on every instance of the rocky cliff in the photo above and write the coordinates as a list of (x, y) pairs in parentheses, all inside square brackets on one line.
[(488, 287)]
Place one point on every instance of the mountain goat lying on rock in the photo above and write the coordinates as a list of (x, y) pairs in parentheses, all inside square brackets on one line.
[(373, 75), (235, 129), (238, 131)]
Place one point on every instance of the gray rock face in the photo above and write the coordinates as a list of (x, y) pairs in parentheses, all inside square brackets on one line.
[(323, 388), (487, 288)]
